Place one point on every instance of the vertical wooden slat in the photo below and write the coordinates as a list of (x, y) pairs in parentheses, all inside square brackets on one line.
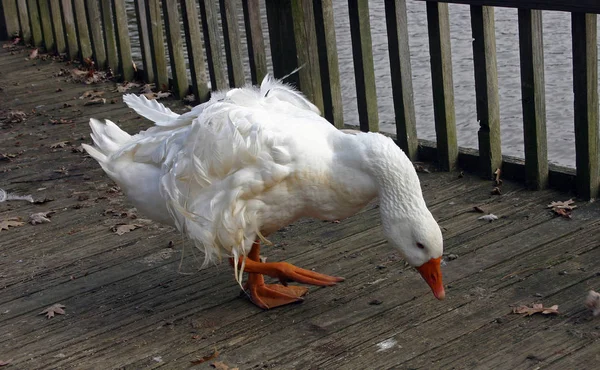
[(364, 71), (157, 44), (144, 37), (46, 19), (24, 21), (70, 29), (308, 53), (402, 89), (123, 41), (281, 36), (35, 23), (231, 37), (194, 47), (212, 43), (585, 88), (438, 26), (95, 27), (531, 47), (83, 35), (10, 19), (486, 88), (175, 44), (328, 61), (256, 42), (110, 42), (57, 24)]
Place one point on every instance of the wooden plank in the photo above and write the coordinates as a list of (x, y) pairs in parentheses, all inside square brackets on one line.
[(194, 48), (175, 45), (531, 48), (83, 34), (438, 26), (46, 20), (231, 38), (212, 42), (95, 26), (364, 72), (144, 36), (328, 60), (157, 44), (305, 37), (70, 28), (57, 24), (24, 21), (110, 41), (583, 6), (281, 36), (585, 88), (9, 25), (256, 43), (35, 23), (486, 89), (402, 89), (123, 41)]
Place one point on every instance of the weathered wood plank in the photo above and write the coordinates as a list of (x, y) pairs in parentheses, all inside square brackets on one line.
[(70, 28), (24, 21), (157, 44), (486, 89), (142, 24), (364, 71), (195, 51), (46, 19), (402, 89), (57, 25), (256, 43), (83, 35), (328, 60), (438, 26), (110, 41), (585, 88), (123, 41), (231, 38), (9, 24), (35, 23), (281, 36), (305, 37), (95, 26), (585, 6), (175, 45), (212, 42), (531, 48)]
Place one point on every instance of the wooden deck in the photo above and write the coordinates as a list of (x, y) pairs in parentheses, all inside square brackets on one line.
[(139, 301)]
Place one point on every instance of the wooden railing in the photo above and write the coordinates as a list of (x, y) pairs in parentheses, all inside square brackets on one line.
[(302, 33)]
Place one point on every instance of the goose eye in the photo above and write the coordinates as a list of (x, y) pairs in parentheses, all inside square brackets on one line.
[(421, 246)]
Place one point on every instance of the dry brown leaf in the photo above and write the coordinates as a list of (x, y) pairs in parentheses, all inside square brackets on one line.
[(60, 121), (147, 89), (96, 101), (33, 54), (422, 169), (126, 86), (40, 217), (60, 144), (56, 308), (121, 229), (212, 356), (496, 191), (157, 95), (91, 94), (4, 363), (11, 222), (563, 209), (15, 116), (536, 308), (222, 366)]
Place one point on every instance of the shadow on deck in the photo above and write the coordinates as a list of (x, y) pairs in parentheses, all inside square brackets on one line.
[(130, 304)]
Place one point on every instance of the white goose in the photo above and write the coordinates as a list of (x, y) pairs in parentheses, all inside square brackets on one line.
[(251, 161)]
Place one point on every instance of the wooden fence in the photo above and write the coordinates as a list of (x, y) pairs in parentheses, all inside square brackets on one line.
[(302, 33)]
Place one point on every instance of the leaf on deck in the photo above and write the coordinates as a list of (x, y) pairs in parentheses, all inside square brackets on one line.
[(40, 217), (222, 366), (60, 144), (10, 222), (54, 309), (491, 217), (4, 363), (563, 209), (121, 229), (536, 308), (592, 302), (212, 356)]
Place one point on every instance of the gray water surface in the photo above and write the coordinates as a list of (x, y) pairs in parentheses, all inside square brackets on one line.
[(558, 74)]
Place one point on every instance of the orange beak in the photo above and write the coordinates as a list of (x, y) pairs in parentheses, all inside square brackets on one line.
[(432, 274)]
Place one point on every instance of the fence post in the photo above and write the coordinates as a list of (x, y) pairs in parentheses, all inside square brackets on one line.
[(231, 37), (9, 21), (175, 44), (142, 25), (34, 21), (24, 21), (194, 48), (69, 28), (256, 42), (157, 44), (212, 42)]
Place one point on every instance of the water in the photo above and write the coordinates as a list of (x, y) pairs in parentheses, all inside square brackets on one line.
[(558, 74)]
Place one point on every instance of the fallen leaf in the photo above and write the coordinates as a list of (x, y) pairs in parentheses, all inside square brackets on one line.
[(189, 98), (126, 86), (60, 144), (61, 121), (11, 222), (146, 89), (96, 101), (422, 169), (536, 308), (15, 116), (491, 217), (4, 363), (497, 179), (563, 209), (54, 309), (212, 356), (121, 229), (496, 191), (592, 302), (33, 54), (221, 366), (40, 217), (90, 94)]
